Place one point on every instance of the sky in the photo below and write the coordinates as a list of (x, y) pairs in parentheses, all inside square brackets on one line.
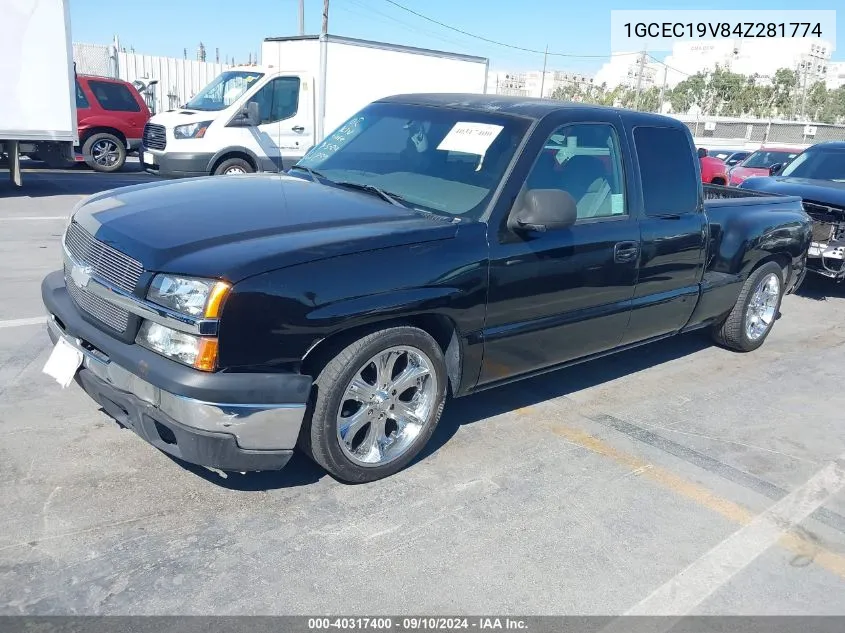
[(578, 33)]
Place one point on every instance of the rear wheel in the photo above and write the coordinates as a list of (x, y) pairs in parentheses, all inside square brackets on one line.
[(755, 312), (104, 152), (233, 166), (378, 402)]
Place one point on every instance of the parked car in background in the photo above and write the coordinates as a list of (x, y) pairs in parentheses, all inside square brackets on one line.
[(510, 237), (111, 115), (818, 176), (713, 170), (759, 162), (730, 157)]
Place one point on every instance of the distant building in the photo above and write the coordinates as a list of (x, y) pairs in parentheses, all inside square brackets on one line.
[(532, 83), (835, 75)]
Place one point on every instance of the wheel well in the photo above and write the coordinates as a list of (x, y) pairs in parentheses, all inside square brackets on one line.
[(718, 180), (234, 154), (441, 328), (781, 259), (99, 130)]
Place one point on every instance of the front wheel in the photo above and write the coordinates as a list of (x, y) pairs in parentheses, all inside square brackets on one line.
[(378, 402), (756, 309)]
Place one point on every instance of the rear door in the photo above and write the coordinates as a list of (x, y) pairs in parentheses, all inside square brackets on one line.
[(119, 102), (674, 232)]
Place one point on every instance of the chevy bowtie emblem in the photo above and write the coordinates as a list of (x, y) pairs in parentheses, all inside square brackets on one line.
[(81, 275)]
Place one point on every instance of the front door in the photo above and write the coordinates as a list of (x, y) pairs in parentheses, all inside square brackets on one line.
[(286, 127), (564, 294)]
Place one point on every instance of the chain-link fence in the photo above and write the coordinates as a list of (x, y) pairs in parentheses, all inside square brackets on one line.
[(749, 132), (95, 59)]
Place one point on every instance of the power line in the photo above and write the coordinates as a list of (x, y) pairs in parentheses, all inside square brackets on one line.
[(496, 42), (668, 66)]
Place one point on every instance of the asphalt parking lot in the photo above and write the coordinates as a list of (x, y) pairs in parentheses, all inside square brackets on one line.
[(676, 478)]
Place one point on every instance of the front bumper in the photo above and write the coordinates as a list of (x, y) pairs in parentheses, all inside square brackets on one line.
[(176, 164), (224, 420)]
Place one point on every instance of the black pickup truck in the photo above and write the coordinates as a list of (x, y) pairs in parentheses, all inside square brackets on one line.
[(433, 245)]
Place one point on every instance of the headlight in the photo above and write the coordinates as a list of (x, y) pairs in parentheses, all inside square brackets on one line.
[(192, 130), (194, 297), (195, 351)]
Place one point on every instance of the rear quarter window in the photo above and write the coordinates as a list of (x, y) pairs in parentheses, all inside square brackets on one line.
[(113, 96), (670, 184)]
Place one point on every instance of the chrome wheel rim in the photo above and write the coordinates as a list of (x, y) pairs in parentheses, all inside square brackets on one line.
[(762, 307), (234, 170), (386, 405), (105, 153)]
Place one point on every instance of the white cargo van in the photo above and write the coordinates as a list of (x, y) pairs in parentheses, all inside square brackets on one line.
[(264, 118)]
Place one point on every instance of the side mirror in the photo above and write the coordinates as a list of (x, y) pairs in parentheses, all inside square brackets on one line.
[(543, 210), (248, 116), (774, 169)]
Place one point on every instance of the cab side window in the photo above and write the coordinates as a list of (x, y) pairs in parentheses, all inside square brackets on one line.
[(585, 161), (278, 100), (667, 169)]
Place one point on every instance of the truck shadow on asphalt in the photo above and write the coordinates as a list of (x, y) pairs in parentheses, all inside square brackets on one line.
[(820, 288), (302, 471), (39, 181)]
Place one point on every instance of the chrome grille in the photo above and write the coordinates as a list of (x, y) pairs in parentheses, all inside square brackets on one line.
[(106, 262), (108, 313), (155, 136)]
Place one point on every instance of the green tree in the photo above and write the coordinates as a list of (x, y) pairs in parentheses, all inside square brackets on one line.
[(688, 93), (783, 95)]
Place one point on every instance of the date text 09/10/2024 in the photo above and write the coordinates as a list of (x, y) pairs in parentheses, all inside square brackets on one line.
[(417, 624), (722, 29)]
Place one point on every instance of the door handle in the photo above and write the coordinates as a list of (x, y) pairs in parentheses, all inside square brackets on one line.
[(298, 128), (624, 252)]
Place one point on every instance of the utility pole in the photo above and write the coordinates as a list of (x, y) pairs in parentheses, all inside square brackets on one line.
[(543, 78), (640, 80), (662, 90), (302, 17), (804, 90), (321, 93)]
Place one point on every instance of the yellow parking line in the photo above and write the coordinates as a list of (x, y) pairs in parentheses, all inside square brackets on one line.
[(802, 546)]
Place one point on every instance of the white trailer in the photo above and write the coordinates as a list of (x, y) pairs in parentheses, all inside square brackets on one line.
[(38, 101), (264, 118)]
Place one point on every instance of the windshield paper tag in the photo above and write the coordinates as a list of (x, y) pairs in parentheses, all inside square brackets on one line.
[(617, 203), (470, 138)]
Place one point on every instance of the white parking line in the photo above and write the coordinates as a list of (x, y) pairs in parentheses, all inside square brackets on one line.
[(681, 594), (34, 217), (22, 322)]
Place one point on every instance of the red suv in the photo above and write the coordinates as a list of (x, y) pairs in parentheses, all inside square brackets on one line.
[(110, 114)]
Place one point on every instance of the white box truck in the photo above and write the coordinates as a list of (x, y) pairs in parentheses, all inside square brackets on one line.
[(264, 118), (38, 98)]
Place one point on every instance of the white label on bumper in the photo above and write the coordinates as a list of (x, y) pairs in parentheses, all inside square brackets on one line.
[(63, 363), (147, 158)]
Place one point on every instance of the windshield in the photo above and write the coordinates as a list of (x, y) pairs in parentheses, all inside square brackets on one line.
[(819, 165), (223, 91), (765, 159), (444, 160)]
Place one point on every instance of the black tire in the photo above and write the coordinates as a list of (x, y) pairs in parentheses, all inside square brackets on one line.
[(104, 152), (232, 165), (319, 436), (731, 332)]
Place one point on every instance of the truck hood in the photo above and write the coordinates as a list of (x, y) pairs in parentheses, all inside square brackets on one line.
[(183, 116), (822, 191), (232, 227)]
